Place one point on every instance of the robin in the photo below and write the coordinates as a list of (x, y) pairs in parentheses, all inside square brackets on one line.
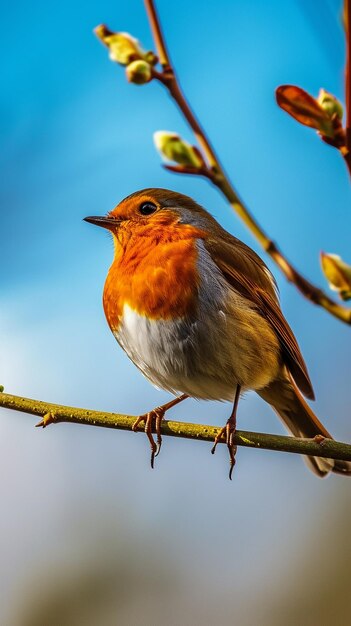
[(197, 311)]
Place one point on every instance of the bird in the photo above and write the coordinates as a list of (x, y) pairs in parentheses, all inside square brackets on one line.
[(198, 312)]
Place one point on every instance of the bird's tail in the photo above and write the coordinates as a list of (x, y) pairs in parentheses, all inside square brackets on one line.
[(285, 398)]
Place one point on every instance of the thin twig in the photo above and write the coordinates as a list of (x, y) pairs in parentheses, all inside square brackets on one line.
[(220, 179), (347, 157), (55, 413), (157, 35), (346, 148), (348, 82)]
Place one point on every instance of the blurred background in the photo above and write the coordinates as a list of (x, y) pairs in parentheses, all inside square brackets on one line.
[(89, 534)]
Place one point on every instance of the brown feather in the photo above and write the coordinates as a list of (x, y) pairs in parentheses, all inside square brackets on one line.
[(248, 275)]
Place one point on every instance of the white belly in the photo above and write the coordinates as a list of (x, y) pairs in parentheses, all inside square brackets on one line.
[(208, 356), (180, 356)]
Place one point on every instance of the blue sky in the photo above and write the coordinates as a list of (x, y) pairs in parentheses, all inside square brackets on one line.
[(76, 139)]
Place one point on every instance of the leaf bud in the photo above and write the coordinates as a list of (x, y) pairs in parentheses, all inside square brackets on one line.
[(305, 109), (337, 273), (330, 104), (173, 147), (139, 72), (123, 47)]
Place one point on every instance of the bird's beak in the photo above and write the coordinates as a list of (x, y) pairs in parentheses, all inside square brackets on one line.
[(101, 220)]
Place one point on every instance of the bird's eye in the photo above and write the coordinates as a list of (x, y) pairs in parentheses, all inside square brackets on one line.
[(147, 208)]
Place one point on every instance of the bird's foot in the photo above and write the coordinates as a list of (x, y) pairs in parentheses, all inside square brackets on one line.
[(153, 420), (228, 431)]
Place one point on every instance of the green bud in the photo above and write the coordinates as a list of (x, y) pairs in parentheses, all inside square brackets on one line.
[(338, 274), (151, 58), (174, 148), (2, 388), (330, 104), (122, 46), (139, 72)]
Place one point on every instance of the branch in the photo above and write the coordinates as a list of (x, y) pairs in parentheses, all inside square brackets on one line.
[(347, 155), (157, 34), (220, 179), (348, 82), (55, 413)]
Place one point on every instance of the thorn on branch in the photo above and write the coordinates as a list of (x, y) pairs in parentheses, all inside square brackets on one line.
[(47, 419)]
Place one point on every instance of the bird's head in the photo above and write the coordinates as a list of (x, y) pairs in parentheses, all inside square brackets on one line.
[(151, 210)]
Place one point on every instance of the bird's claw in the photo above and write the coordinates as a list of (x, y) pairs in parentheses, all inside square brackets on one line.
[(229, 432), (152, 420)]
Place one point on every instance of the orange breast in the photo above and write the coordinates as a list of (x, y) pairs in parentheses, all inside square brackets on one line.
[(154, 273)]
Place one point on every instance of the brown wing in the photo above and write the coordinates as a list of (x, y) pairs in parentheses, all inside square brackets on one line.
[(248, 275)]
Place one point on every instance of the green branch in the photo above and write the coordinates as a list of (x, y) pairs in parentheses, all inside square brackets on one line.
[(55, 413)]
